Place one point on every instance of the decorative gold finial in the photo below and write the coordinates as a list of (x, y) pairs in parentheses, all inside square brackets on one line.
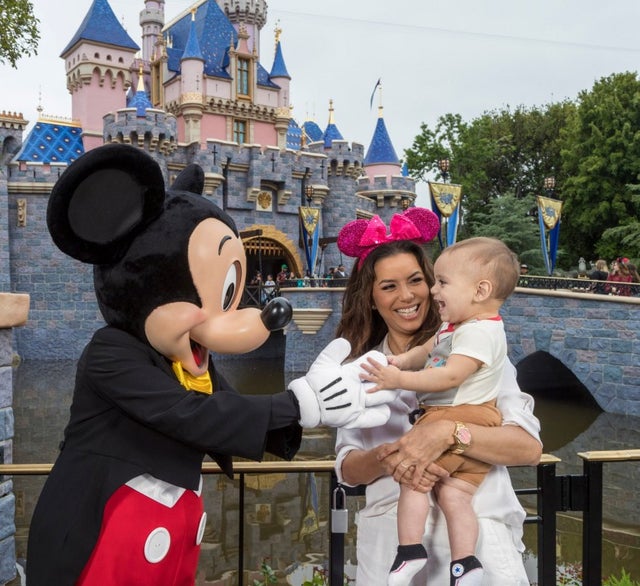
[(140, 79), (193, 14), (278, 31), (331, 112)]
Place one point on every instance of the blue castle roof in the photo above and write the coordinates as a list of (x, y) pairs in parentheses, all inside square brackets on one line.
[(381, 150), (313, 131), (192, 49), (101, 25), (331, 133), (279, 69), (214, 33), (294, 135), (52, 142), (140, 101)]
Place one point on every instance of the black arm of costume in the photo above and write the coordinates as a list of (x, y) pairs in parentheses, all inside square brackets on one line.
[(284, 437)]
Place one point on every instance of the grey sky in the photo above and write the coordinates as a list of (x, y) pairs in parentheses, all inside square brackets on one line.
[(434, 56)]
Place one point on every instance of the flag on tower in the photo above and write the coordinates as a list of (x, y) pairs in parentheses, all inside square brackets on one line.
[(373, 93)]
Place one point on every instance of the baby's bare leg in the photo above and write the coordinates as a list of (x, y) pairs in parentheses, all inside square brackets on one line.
[(413, 509), (454, 497)]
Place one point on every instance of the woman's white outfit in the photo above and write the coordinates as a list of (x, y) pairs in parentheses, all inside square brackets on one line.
[(500, 515)]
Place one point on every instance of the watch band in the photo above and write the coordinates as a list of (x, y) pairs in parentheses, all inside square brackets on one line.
[(461, 438)]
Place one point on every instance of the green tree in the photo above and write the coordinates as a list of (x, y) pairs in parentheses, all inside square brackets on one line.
[(623, 240), (507, 218), (19, 34), (497, 153), (601, 158)]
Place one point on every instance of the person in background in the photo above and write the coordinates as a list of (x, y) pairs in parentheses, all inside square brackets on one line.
[(387, 306), (283, 275), (600, 273), (620, 276), (635, 278), (268, 289), (464, 363)]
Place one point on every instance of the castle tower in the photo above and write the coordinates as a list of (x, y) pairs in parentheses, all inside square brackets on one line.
[(331, 132), (280, 76), (97, 61), (279, 73), (342, 168), (151, 22), (252, 14), (192, 67), (384, 181)]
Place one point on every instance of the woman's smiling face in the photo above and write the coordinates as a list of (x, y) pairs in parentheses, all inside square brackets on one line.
[(400, 293)]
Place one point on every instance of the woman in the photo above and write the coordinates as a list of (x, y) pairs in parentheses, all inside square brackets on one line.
[(387, 306), (621, 276), (601, 273)]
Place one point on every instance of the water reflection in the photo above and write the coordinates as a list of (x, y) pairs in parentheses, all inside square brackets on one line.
[(287, 513)]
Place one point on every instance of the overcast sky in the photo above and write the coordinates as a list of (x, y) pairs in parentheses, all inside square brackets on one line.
[(433, 56)]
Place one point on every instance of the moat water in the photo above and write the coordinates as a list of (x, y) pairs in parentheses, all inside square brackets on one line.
[(286, 515)]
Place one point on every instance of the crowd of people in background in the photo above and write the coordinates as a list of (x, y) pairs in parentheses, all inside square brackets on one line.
[(620, 278), (616, 280), (268, 288)]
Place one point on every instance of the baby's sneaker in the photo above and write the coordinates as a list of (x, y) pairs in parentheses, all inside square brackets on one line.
[(466, 572), (409, 561)]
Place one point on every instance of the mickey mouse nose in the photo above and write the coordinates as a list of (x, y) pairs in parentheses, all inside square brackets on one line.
[(276, 314)]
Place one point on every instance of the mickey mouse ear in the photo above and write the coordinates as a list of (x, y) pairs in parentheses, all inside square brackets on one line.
[(102, 201)]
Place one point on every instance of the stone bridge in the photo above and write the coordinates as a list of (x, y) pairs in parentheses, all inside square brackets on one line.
[(597, 337)]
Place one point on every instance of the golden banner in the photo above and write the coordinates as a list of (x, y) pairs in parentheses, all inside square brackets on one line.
[(446, 197), (310, 219), (550, 210)]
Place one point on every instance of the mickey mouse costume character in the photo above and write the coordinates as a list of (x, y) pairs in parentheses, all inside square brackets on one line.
[(122, 505)]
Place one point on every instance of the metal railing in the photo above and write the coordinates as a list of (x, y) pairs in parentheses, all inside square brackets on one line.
[(579, 285), (553, 493)]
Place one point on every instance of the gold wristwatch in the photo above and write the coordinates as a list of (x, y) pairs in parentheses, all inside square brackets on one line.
[(461, 438)]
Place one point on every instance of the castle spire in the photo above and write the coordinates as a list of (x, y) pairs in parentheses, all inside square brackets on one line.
[(381, 151), (279, 68), (100, 25), (331, 133), (192, 48)]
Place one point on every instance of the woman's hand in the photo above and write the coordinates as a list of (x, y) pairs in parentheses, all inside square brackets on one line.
[(408, 458), (404, 474)]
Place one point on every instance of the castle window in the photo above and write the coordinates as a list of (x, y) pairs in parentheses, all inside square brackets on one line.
[(96, 55), (108, 57), (240, 131), (242, 78)]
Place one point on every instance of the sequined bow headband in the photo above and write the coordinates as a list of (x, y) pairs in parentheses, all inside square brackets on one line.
[(358, 238)]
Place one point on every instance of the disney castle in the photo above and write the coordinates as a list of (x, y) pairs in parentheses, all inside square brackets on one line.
[(193, 89)]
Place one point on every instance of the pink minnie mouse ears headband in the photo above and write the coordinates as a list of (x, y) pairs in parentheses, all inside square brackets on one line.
[(358, 238)]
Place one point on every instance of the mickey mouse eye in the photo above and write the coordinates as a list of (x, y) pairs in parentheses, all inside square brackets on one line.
[(229, 287)]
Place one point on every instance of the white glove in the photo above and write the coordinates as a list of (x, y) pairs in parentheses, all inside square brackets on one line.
[(334, 395)]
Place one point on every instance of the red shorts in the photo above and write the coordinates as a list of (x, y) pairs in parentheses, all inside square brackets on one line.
[(145, 543)]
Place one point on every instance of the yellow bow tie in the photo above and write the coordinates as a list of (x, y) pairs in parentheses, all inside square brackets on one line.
[(200, 384)]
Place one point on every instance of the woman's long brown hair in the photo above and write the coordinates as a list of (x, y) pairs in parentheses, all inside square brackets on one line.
[(360, 324)]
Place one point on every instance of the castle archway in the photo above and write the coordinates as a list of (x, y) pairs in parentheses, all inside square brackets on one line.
[(267, 249)]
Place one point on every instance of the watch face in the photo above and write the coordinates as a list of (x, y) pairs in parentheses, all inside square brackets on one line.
[(463, 435)]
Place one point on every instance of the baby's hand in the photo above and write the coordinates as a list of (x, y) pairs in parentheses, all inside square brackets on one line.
[(384, 377), (401, 361)]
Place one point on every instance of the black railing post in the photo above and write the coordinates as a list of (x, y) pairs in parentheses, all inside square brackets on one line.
[(547, 498), (336, 543), (241, 529), (592, 525)]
